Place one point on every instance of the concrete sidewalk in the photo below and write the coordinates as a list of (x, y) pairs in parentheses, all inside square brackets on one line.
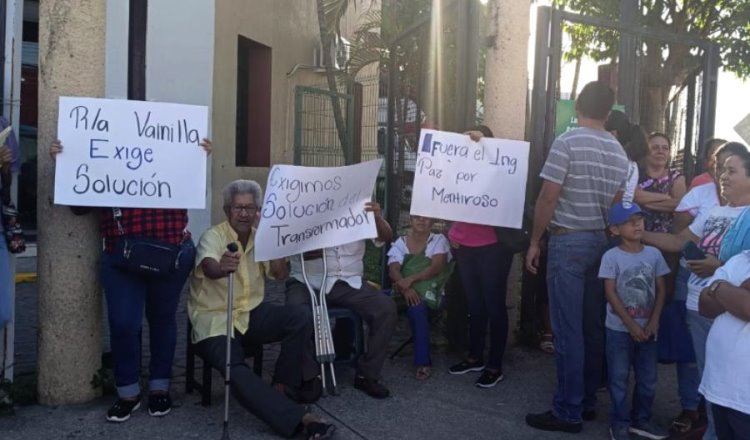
[(443, 407)]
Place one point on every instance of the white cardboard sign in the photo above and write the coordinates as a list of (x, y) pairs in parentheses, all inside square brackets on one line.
[(477, 182), (307, 208), (131, 154)]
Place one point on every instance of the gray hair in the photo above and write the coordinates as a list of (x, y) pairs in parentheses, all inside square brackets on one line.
[(241, 187)]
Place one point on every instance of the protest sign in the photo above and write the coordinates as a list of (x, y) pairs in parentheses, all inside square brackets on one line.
[(743, 128), (308, 208), (131, 154), (477, 182)]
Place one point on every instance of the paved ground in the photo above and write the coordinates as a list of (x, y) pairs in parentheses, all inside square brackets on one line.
[(444, 407)]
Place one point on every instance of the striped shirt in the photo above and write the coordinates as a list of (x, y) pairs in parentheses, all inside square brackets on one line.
[(592, 167)]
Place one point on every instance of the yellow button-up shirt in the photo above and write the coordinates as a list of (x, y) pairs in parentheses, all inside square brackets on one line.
[(207, 304)]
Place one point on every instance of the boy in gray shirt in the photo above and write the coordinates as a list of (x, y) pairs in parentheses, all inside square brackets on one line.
[(634, 284)]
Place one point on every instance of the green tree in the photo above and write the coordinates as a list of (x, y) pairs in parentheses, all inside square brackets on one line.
[(666, 67), (330, 13)]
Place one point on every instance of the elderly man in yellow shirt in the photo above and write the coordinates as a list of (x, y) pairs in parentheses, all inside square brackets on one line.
[(255, 322)]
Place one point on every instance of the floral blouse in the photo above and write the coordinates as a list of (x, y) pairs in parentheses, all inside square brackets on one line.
[(656, 221)]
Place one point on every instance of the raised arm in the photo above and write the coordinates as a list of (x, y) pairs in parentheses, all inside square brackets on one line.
[(670, 242), (385, 233)]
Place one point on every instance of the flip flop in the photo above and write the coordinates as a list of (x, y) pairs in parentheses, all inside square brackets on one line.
[(423, 373), (319, 430)]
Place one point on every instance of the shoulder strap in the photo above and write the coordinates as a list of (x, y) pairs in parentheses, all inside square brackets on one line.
[(117, 215)]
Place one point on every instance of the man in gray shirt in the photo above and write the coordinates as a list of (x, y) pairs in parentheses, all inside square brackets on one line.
[(584, 173)]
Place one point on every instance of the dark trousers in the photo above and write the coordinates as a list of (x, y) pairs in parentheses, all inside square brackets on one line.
[(375, 308), (484, 275), (292, 326), (730, 424), (128, 294)]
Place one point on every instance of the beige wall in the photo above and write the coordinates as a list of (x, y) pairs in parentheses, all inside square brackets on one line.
[(290, 29), (291, 32)]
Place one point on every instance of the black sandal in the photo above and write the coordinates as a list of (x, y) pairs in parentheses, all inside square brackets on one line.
[(319, 430)]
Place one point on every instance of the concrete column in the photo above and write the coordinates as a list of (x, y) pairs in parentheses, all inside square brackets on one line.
[(505, 93), (506, 68), (71, 63)]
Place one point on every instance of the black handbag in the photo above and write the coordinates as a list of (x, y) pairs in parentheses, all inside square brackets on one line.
[(516, 240), (144, 256), (512, 240)]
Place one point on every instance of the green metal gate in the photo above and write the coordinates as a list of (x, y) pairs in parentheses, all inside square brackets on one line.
[(316, 140)]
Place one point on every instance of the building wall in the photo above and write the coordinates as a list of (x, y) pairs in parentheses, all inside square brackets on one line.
[(179, 62), (290, 29), (179, 67)]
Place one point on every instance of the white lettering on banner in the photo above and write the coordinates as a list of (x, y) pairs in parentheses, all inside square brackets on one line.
[(309, 208), (131, 154), (477, 182)]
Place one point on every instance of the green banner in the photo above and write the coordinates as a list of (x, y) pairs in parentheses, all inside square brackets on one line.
[(565, 115)]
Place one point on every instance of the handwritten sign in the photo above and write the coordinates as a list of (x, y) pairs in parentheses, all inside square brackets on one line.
[(477, 182), (131, 154), (308, 208), (743, 128)]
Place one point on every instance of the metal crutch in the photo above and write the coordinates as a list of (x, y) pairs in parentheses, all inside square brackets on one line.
[(231, 247), (325, 353)]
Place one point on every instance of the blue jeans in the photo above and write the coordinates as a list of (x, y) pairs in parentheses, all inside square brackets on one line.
[(699, 327), (127, 294), (730, 423), (576, 308), (484, 276), (420, 328), (6, 283), (688, 378), (622, 352)]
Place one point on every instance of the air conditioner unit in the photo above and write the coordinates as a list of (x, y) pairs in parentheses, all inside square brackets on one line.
[(340, 53)]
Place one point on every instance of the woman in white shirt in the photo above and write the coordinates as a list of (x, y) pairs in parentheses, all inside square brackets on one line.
[(707, 231), (418, 267), (726, 376)]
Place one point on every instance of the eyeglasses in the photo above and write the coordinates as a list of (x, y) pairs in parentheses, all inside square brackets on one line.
[(250, 209)]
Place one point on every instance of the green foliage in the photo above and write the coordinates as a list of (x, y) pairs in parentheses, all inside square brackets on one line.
[(373, 263), (726, 22)]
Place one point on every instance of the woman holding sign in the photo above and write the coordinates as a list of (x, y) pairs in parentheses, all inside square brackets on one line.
[(484, 266), (146, 258)]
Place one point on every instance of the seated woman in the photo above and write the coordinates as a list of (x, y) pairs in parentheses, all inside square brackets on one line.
[(418, 266)]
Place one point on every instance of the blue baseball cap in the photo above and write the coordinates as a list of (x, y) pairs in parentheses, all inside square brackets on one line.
[(620, 213)]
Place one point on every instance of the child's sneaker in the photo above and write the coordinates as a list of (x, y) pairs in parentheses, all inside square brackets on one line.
[(648, 430), (465, 366), (159, 404), (122, 409)]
